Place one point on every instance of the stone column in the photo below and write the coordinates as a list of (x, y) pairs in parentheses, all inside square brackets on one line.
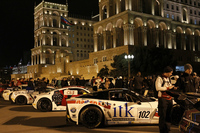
[(41, 58), (193, 43), (105, 39), (95, 42), (128, 4), (157, 37), (51, 40), (114, 37), (183, 42), (128, 34), (168, 39), (173, 40), (32, 60), (108, 10), (38, 59), (67, 40), (144, 30), (60, 40), (48, 21), (153, 7)]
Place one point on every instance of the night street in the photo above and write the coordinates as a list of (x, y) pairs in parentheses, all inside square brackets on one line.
[(24, 118)]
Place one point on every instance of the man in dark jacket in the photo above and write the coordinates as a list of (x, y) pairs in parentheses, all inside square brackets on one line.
[(30, 84), (43, 85), (185, 83), (64, 82), (138, 82)]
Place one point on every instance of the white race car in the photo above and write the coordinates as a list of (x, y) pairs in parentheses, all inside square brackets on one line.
[(24, 96), (56, 99), (110, 107), (8, 92)]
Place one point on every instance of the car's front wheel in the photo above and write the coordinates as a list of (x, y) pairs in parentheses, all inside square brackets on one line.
[(44, 105), (91, 117), (21, 100)]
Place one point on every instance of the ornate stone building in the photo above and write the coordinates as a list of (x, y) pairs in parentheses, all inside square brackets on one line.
[(123, 24)]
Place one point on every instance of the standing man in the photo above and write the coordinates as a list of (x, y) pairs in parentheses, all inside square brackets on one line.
[(138, 82), (163, 84), (185, 83)]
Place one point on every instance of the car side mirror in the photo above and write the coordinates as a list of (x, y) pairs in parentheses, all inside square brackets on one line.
[(138, 102)]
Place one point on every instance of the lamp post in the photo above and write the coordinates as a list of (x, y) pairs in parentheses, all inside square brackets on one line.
[(129, 57)]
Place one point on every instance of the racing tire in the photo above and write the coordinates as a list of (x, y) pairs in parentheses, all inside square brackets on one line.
[(44, 105), (21, 100), (91, 117)]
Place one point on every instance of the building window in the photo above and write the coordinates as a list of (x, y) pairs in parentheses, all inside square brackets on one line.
[(77, 45), (77, 54), (190, 11), (167, 15), (77, 27), (177, 18), (195, 21), (195, 12), (167, 6), (172, 7), (104, 58), (95, 61), (77, 39), (173, 17), (177, 8)]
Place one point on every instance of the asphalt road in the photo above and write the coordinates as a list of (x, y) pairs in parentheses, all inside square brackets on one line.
[(24, 118)]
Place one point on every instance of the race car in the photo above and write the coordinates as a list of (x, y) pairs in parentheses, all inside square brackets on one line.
[(111, 107), (8, 92), (56, 99), (24, 96)]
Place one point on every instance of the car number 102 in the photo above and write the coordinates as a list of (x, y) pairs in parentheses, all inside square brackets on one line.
[(143, 114)]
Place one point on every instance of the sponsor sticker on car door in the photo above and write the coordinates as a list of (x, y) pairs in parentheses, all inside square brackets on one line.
[(70, 92)]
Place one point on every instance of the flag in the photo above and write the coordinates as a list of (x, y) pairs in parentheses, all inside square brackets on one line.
[(65, 22)]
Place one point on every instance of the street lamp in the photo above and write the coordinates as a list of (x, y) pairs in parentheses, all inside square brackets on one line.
[(129, 57)]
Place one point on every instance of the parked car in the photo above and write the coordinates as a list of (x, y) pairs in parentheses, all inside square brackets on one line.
[(56, 99), (8, 92), (111, 107), (24, 96)]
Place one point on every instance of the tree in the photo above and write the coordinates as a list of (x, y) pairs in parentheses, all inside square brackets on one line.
[(103, 72), (147, 60), (120, 66)]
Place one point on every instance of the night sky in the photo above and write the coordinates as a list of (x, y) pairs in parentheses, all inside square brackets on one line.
[(17, 25)]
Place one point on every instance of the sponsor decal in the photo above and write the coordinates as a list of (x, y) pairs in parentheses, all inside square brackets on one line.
[(70, 92), (123, 119), (127, 111), (100, 103), (73, 110)]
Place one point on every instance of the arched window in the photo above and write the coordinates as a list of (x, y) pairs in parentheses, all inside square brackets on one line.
[(54, 23), (55, 39), (184, 15)]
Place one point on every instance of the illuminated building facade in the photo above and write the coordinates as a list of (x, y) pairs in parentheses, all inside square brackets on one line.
[(123, 24)]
